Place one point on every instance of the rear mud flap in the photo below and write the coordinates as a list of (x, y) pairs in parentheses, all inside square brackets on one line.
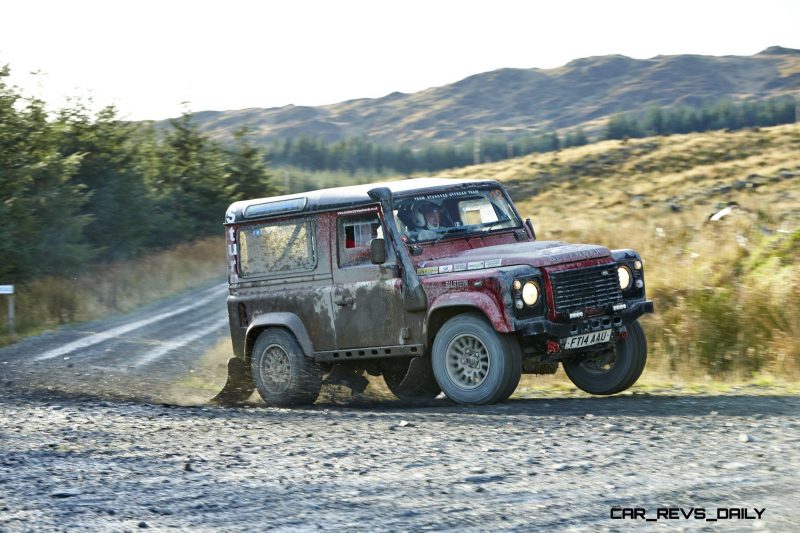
[(239, 386), (418, 370)]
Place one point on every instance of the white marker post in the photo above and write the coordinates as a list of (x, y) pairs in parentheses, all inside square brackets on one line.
[(9, 290)]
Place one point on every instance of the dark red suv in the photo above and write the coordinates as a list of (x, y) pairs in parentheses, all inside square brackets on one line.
[(437, 285)]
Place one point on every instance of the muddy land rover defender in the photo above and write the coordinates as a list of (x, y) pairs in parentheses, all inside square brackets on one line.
[(435, 284)]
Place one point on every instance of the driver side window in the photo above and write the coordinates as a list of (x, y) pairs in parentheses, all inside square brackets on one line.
[(354, 234)]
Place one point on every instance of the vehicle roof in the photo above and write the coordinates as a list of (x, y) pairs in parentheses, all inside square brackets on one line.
[(350, 196)]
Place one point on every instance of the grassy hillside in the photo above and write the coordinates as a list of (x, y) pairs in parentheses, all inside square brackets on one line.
[(513, 101), (727, 293)]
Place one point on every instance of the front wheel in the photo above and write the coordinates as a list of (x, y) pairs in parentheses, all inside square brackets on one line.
[(474, 364), (613, 371), (282, 373)]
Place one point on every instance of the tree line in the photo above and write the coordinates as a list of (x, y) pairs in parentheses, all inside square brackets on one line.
[(79, 188), (359, 154), (722, 115)]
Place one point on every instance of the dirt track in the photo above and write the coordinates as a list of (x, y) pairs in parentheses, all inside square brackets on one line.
[(86, 443)]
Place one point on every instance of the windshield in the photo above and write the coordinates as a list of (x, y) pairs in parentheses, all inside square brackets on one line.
[(464, 212)]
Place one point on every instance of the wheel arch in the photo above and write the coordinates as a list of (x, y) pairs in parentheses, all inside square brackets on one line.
[(288, 321), (446, 310)]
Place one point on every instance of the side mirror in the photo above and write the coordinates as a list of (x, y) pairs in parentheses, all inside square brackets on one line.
[(377, 251), (529, 225)]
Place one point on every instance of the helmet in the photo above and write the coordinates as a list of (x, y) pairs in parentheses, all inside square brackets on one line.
[(417, 216), (418, 212)]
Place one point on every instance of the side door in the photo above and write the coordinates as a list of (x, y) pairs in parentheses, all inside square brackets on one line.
[(367, 298)]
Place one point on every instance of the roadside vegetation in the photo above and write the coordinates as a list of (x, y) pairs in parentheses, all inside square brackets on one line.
[(50, 301), (80, 190), (98, 215)]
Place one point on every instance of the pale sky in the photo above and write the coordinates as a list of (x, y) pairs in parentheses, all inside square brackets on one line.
[(148, 57)]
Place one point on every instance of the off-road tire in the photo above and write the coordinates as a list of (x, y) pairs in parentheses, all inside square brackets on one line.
[(631, 356), (499, 367), (512, 347), (411, 384), (299, 378)]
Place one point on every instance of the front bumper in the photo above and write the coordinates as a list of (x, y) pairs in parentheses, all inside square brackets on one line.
[(542, 326)]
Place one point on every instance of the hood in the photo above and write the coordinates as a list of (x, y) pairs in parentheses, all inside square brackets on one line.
[(535, 253)]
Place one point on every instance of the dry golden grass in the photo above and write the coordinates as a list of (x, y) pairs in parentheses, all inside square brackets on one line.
[(727, 294), (48, 302)]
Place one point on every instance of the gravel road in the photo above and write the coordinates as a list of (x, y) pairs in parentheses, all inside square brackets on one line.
[(92, 438)]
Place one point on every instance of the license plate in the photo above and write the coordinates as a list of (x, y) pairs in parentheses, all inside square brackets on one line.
[(587, 339)]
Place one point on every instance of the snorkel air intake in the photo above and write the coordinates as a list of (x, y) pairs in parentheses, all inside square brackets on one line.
[(414, 297)]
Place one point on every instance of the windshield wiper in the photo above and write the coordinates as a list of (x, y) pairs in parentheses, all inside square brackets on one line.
[(448, 231), (494, 224)]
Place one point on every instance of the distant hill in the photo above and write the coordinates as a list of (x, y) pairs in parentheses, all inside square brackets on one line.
[(584, 92)]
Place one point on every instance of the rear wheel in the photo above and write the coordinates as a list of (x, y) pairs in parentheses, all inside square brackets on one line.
[(282, 373), (613, 371), (474, 364), (411, 379)]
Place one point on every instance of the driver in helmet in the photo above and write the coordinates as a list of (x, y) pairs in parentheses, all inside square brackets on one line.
[(431, 221)]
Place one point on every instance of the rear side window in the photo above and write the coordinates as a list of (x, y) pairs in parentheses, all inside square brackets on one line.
[(277, 248)]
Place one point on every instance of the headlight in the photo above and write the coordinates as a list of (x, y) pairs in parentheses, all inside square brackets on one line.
[(530, 293), (625, 277)]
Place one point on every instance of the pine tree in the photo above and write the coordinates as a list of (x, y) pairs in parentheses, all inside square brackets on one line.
[(120, 204), (41, 225), (247, 171), (192, 183)]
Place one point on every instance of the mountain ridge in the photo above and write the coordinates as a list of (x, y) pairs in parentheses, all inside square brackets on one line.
[(584, 92)]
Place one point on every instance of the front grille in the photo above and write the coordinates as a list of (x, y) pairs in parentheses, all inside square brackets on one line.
[(584, 288)]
